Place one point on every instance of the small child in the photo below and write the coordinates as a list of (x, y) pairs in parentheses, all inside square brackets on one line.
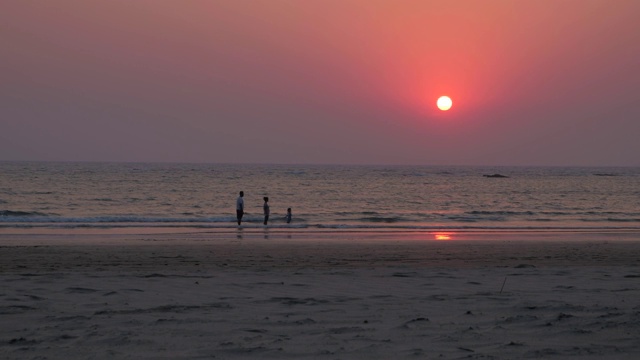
[(288, 217)]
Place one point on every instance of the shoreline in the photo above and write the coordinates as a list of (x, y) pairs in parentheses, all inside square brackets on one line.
[(212, 251), (54, 236)]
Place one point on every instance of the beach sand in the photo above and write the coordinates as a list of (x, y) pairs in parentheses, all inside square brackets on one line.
[(322, 295)]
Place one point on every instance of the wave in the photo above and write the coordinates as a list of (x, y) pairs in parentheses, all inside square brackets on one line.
[(11, 213), (258, 225), (229, 223), (381, 219), (552, 213), (12, 216), (512, 213), (35, 217)]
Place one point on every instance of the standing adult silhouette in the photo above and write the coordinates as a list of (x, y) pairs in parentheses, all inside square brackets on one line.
[(240, 207)]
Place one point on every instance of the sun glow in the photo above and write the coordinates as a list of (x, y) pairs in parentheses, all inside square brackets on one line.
[(444, 103)]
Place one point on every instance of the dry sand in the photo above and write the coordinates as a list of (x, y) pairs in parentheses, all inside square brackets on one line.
[(318, 296)]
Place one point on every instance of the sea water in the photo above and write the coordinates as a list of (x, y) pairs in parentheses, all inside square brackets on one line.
[(117, 195)]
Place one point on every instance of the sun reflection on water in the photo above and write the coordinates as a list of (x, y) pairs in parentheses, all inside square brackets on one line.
[(443, 235)]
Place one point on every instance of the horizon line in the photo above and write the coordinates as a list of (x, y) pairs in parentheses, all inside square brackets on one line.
[(309, 164)]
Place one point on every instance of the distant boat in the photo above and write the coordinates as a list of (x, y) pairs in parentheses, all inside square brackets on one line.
[(496, 176)]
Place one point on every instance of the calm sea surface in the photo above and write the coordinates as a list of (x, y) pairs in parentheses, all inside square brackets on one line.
[(110, 195)]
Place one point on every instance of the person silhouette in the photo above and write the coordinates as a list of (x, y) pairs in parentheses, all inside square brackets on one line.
[(288, 216), (240, 207), (265, 207)]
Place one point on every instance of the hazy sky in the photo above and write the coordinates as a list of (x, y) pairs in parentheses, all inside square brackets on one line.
[(539, 82)]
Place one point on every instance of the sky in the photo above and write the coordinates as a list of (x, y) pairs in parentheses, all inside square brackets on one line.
[(533, 82)]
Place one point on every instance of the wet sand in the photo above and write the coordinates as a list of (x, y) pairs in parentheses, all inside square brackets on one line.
[(319, 295)]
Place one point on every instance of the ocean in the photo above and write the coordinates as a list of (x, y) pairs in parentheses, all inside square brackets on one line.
[(131, 195)]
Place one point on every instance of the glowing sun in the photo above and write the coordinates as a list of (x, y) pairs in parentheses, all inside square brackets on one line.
[(444, 103)]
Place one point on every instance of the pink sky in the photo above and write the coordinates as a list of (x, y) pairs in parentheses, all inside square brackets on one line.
[(540, 82)]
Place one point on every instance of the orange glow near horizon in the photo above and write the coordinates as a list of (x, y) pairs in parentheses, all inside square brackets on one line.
[(443, 236), (322, 82)]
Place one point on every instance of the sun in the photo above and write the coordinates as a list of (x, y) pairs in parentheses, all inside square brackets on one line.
[(444, 103)]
